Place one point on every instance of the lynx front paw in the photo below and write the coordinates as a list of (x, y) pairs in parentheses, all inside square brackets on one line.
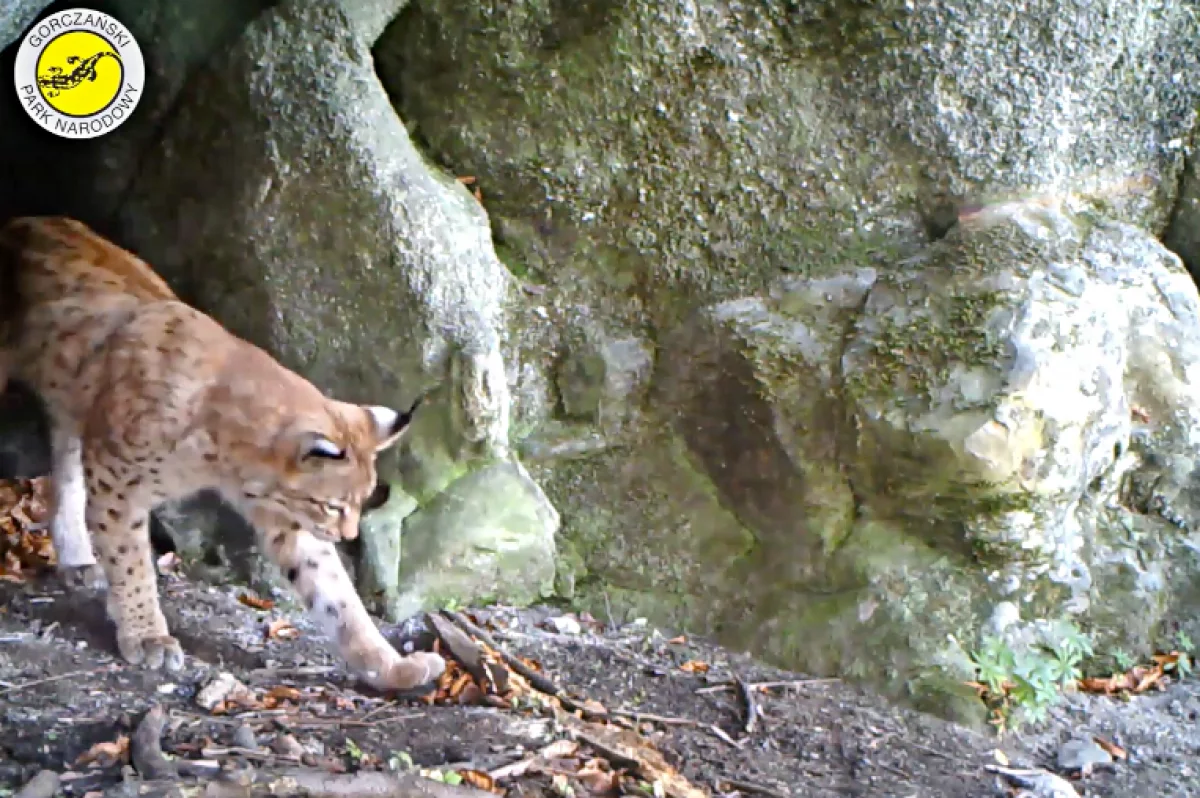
[(82, 577), (151, 652), (405, 673)]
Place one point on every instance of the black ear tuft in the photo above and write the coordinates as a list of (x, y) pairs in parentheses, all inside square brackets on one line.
[(405, 418), (378, 497)]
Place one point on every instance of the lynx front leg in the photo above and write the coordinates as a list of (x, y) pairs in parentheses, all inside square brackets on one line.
[(68, 520), (120, 520), (315, 572)]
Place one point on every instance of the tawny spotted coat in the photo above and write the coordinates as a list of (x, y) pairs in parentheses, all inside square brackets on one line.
[(150, 401)]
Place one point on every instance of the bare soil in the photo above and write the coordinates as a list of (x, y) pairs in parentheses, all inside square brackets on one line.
[(62, 690)]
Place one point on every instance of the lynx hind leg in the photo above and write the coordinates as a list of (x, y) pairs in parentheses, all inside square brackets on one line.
[(119, 516), (77, 564), (317, 575)]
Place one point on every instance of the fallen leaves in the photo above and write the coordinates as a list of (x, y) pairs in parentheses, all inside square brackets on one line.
[(25, 545), (1139, 678), (105, 754), (694, 666), (281, 629), (255, 602)]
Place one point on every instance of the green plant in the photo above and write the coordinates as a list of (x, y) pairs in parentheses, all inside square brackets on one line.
[(1184, 643), (1022, 686), (1123, 659)]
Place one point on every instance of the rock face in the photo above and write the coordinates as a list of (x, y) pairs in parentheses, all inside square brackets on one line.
[(854, 439), (843, 335), (283, 196)]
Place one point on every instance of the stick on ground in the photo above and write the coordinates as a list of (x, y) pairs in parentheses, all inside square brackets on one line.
[(751, 705), (43, 785), (145, 749)]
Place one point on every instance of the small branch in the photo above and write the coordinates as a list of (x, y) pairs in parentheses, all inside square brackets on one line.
[(58, 678), (248, 753), (145, 749), (536, 680), (720, 688), (720, 734), (644, 717), (748, 786), (44, 785), (751, 706), (312, 783)]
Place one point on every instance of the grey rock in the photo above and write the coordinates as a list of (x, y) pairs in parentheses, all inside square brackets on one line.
[(1082, 754), (16, 16), (488, 537), (1183, 234)]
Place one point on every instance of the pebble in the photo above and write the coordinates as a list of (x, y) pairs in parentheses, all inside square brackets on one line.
[(1082, 754), (564, 625), (243, 737)]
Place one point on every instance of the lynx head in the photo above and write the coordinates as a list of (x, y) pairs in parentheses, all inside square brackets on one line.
[(326, 471)]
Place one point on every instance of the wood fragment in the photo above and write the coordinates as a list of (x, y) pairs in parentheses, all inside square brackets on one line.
[(145, 749), (43, 785), (57, 678), (536, 680), (646, 717), (741, 785), (248, 753), (751, 705), (459, 645), (627, 749), (313, 783), (559, 749), (721, 688)]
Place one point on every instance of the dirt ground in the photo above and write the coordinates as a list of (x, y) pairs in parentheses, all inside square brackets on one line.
[(62, 691)]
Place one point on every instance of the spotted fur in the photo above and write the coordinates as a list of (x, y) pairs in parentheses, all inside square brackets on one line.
[(151, 401)]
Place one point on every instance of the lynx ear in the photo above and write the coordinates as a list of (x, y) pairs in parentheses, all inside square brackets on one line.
[(388, 424)]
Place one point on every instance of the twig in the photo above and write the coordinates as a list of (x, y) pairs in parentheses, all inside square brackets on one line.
[(56, 678), (145, 749), (556, 749), (612, 625), (925, 748), (721, 734), (751, 706), (44, 785), (535, 679), (750, 786), (645, 717), (249, 753), (720, 688), (312, 670), (313, 783)]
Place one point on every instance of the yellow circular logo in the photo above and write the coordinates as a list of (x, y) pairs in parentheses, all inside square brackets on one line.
[(79, 73)]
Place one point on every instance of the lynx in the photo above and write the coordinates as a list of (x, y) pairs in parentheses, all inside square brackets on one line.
[(149, 400)]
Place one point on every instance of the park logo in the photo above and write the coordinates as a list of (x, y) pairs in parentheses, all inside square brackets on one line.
[(79, 73)]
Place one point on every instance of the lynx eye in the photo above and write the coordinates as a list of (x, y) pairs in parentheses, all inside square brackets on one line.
[(336, 509)]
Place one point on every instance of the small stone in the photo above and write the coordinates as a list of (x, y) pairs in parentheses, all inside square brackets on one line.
[(1082, 754), (243, 737), (287, 745), (225, 687), (564, 625)]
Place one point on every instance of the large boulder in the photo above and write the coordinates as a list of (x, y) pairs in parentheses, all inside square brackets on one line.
[(282, 195), (752, 196)]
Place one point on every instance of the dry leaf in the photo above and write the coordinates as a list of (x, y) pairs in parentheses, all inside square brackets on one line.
[(102, 755), (597, 778), (1114, 750), (694, 666), (282, 629), (479, 780), (256, 602), (677, 641), (168, 563), (1000, 757)]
